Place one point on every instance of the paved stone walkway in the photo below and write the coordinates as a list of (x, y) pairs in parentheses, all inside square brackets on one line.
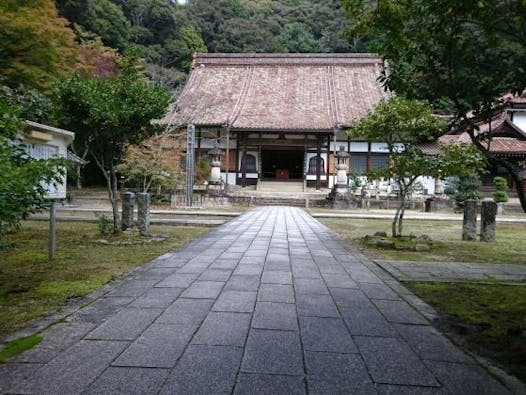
[(453, 271), (269, 303)]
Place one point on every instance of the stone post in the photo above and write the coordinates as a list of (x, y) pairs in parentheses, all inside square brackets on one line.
[(439, 187), (488, 214), (469, 225), (143, 218), (341, 186), (128, 203), (215, 164)]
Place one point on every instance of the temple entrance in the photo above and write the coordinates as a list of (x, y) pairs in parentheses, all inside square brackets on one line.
[(282, 164)]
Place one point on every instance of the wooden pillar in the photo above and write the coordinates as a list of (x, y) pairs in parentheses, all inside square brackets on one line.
[(369, 164), (260, 162), (305, 163), (349, 152), (318, 163), (199, 137), (237, 157), (227, 168), (244, 162), (328, 159)]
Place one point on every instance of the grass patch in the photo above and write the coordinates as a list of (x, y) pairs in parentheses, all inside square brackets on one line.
[(446, 236), (18, 346), (490, 317), (32, 287)]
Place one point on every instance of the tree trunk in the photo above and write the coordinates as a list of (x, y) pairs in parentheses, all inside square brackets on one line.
[(394, 225), (401, 216), (113, 193), (114, 198)]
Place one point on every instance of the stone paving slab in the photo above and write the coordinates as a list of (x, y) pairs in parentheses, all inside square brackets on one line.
[(453, 271), (271, 302)]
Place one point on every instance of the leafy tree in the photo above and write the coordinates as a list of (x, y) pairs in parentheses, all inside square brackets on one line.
[(30, 103), (102, 17), (153, 164), (109, 113), (270, 25), (243, 35), (460, 56), (22, 178), (403, 124), (296, 38), (37, 46), (94, 57)]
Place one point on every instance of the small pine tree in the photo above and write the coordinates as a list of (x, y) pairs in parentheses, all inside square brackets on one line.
[(468, 188), (501, 186)]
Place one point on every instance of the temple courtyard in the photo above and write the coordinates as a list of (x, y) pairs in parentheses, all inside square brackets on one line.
[(271, 302)]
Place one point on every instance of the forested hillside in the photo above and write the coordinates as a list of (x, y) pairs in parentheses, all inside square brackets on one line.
[(166, 33), (50, 49)]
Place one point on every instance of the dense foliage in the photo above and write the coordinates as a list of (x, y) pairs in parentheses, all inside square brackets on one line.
[(109, 113), (270, 26), (167, 33), (36, 46), (461, 56), (22, 179), (403, 124)]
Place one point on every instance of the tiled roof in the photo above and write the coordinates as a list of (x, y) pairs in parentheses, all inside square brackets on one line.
[(497, 145), (279, 91)]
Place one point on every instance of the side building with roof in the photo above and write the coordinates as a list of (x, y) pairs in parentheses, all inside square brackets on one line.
[(504, 136), (281, 116)]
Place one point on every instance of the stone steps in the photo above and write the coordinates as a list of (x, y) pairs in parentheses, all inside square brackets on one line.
[(280, 186), (275, 201)]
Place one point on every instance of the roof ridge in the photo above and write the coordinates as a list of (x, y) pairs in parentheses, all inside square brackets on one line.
[(284, 58)]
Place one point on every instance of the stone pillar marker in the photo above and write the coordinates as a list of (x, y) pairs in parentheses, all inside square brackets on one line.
[(143, 218), (341, 171), (469, 224), (215, 163), (128, 203), (488, 214)]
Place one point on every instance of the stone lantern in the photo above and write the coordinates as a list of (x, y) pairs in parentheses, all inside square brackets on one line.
[(215, 163), (342, 158)]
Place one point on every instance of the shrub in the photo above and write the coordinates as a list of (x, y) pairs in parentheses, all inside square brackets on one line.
[(468, 188), (501, 185)]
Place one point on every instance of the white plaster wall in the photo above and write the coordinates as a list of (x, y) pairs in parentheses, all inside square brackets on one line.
[(519, 119)]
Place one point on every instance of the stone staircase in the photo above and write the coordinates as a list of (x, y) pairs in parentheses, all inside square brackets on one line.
[(280, 193), (280, 186)]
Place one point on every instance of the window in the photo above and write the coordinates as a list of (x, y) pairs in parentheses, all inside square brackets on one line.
[(313, 162), (250, 163), (358, 163), (379, 161)]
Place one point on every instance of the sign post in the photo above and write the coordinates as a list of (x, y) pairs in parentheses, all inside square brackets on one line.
[(44, 142), (52, 231), (190, 142)]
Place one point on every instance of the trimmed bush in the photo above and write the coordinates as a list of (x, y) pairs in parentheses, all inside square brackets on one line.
[(501, 186)]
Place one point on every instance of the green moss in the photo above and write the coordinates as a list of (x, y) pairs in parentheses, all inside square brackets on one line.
[(446, 241), (31, 286), (64, 290), (18, 346), (491, 317)]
